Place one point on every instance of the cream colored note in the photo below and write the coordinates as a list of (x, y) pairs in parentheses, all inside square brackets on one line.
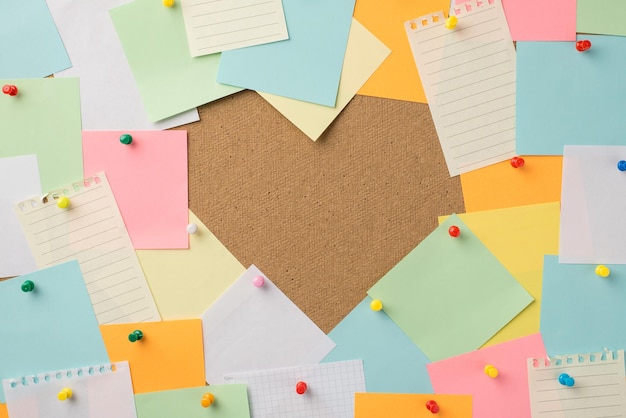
[(221, 25), (90, 230)]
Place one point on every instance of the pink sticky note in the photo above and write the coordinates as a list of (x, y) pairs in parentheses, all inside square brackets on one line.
[(491, 397), (149, 181), (539, 20)]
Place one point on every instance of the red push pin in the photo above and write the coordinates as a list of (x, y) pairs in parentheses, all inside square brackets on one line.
[(517, 162), (300, 388), (9, 89), (432, 406), (583, 45), (454, 231)]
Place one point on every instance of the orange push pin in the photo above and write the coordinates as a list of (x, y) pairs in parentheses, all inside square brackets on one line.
[(301, 388), (207, 400), (9, 90), (491, 371), (64, 394), (432, 406)]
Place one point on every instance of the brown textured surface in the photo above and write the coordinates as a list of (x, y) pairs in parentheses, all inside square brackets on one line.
[(324, 220)]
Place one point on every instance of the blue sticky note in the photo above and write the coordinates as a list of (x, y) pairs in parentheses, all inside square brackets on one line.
[(580, 311), (30, 43), (305, 67), (52, 327), (391, 362), (570, 97)]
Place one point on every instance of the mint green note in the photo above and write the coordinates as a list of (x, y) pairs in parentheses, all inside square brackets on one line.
[(450, 295), (170, 81), (44, 119), (604, 17), (230, 401)]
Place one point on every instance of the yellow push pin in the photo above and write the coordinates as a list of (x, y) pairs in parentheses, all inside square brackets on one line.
[(491, 371), (603, 271), (168, 3), (451, 22), (376, 305), (65, 394), (63, 202), (207, 400)]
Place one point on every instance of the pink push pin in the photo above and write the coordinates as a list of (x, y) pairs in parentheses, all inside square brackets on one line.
[(454, 231), (517, 162), (9, 89), (300, 388), (583, 45), (258, 281), (432, 406)]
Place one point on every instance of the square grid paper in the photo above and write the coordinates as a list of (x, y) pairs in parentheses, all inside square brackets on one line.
[(330, 390)]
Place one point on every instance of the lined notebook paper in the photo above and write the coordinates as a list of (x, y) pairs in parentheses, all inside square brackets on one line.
[(221, 25), (91, 230), (468, 75), (599, 389)]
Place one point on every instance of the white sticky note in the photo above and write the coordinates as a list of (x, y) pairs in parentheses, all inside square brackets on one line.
[(255, 328)]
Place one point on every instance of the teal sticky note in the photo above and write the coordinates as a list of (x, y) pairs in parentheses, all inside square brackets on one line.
[(52, 327), (582, 312), (29, 40), (391, 362), (44, 119), (230, 401), (305, 67), (450, 295), (570, 97)]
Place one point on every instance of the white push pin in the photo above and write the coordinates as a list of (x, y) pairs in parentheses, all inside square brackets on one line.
[(192, 228)]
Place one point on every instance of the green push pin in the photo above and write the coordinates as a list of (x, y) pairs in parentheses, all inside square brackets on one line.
[(28, 286), (136, 335), (126, 139)]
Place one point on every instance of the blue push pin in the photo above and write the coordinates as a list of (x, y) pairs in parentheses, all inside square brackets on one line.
[(566, 380), (621, 165)]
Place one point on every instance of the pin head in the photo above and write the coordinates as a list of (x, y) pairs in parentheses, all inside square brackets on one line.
[(192, 228), (621, 165), (63, 202), (451, 22), (168, 3), (566, 380), (258, 281), (583, 45), (454, 231), (207, 400), (9, 90), (300, 388), (64, 394), (28, 286), (134, 336), (517, 162), (376, 305), (432, 406), (491, 371), (603, 271), (126, 139)]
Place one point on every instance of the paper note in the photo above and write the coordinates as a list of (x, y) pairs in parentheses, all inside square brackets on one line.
[(603, 17), (245, 317), (99, 391), (305, 67), (479, 295), (491, 397), (394, 405), (169, 356), (30, 44), (169, 79), (329, 393), (397, 77), (109, 96), (231, 401), (554, 108), (536, 20), (599, 387), (91, 231), (580, 311), (153, 164), (221, 25), (391, 362), (468, 75), (592, 202), (519, 237), (44, 119), (192, 292), (19, 179), (49, 328), (363, 55), (502, 186)]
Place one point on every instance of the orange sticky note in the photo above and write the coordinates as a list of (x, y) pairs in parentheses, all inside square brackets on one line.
[(502, 186), (397, 77), (168, 356), (394, 405), (3, 411)]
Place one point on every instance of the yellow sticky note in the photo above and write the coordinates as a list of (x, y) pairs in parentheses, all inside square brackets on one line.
[(185, 283), (502, 186), (397, 77), (394, 405), (519, 237), (168, 356)]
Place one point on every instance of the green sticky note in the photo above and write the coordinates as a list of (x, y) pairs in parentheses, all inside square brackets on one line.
[(169, 80), (601, 17), (450, 295), (44, 119), (230, 401)]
